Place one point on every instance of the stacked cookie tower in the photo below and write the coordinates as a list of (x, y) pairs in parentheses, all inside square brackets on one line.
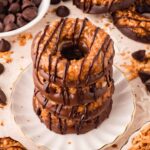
[(72, 75)]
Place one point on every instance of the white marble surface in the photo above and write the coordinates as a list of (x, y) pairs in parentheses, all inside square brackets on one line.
[(13, 69)]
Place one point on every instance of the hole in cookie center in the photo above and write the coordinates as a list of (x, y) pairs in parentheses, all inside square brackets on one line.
[(72, 51)]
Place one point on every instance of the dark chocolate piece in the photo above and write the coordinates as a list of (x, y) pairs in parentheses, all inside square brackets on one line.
[(2, 16), (3, 98), (5, 3), (144, 76), (65, 0), (62, 11), (27, 4), (10, 27), (9, 19), (1, 68), (20, 21), (1, 7), (14, 8), (29, 13), (37, 2), (53, 2), (139, 55), (4, 45), (1, 27)]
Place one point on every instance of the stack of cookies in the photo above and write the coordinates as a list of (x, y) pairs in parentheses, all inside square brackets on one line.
[(72, 74)]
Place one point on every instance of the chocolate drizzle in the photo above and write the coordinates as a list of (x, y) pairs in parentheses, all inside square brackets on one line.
[(96, 57), (38, 45), (87, 5), (45, 47)]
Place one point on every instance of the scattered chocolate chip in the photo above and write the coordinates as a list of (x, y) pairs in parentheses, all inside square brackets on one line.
[(147, 84), (1, 27), (10, 27), (1, 68), (62, 11), (144, 76), (3, 98), (21, 22), (4, 45), (139, 55), (9, 19), (29, 13), (14, 7), (53, 2), (37, 2)]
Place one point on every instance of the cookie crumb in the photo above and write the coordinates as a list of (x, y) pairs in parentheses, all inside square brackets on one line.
[(23, 38), (1, 123), (6, 56), (114, 145), (131, 67)]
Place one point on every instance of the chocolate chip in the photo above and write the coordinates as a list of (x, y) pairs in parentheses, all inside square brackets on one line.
[(147, 84), (5, 3), (139, 55), (11, 1), (144, 76), (62, 11), (1, 7), (65, 0), (1, 68), (2, 16), (3, 98), (1, 27), (27, 4), (53, 2), (10, 27), (21, 22), (14, 7), (29, 13), (37, 2), (4, 45), (9, 19)]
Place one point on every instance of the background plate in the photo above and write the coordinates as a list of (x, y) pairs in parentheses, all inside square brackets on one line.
[(120, 117)]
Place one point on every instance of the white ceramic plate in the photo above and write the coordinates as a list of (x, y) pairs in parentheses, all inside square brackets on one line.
[(129, 142), (120, 117), (41, 12)]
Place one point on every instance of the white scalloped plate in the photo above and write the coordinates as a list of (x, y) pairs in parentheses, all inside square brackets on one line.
[(118, 121), (129, 142)]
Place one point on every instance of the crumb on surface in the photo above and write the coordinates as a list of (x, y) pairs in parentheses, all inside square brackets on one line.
[(114, 145), (130, 67), (23, 38), (6, 56), (2, 123), (69, 142)]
